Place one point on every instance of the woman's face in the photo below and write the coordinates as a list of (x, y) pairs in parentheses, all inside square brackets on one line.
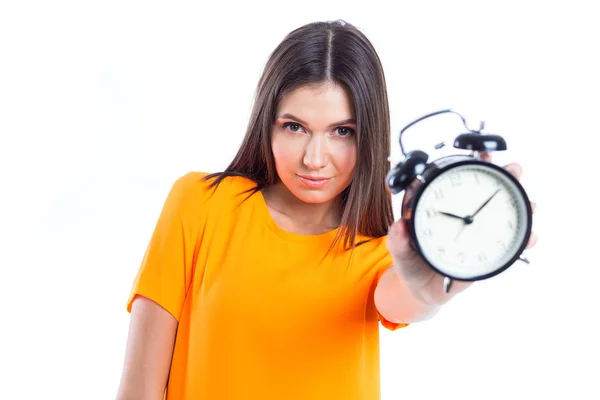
[(314, 142)]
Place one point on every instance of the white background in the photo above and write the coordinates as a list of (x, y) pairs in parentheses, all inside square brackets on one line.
[(104, 104)]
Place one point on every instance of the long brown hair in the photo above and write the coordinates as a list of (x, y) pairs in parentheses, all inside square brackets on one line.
[(315, 53)]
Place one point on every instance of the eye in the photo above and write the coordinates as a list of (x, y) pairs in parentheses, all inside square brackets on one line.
[(292, 127), (345, 131)]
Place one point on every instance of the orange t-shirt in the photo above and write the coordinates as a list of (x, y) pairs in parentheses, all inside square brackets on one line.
[(262, 315)]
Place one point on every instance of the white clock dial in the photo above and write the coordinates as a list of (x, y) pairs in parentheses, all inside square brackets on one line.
[(470, 221)]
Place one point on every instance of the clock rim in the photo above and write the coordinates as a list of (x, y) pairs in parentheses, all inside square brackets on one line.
[(429, 175)]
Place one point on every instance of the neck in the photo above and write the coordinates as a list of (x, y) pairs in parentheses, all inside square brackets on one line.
[(297, 216)]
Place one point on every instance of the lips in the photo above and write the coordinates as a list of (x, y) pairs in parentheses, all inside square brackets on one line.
[(314, 182)]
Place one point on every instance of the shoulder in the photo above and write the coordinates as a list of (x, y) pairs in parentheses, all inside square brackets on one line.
[(198, 187), (373, 253), (371, 244)]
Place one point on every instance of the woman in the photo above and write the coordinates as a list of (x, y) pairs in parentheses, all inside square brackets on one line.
[(269, 280)]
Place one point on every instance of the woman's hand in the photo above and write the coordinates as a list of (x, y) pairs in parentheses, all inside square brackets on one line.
[(423, 281)]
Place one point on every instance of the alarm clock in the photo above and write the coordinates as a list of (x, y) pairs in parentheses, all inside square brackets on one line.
[(468, 218)]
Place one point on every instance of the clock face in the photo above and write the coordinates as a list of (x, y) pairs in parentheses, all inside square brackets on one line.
[(471, 221)]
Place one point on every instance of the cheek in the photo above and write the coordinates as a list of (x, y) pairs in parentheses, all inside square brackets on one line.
[(284, 151), (345, 157)]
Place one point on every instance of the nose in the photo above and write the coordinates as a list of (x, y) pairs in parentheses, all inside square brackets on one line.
[(315, 155)]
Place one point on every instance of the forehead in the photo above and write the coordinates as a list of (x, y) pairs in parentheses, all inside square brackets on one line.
[(323, 102)]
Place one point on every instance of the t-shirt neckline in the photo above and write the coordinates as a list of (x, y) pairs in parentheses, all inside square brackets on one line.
[(284, 234)]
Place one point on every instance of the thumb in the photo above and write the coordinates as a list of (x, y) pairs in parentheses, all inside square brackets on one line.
[(398, 242)]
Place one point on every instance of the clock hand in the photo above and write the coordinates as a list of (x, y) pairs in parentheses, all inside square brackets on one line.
[(485, 204), (467, 219), (459, 232)]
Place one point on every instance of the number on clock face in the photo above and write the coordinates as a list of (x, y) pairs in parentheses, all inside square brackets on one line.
[(454, 244)]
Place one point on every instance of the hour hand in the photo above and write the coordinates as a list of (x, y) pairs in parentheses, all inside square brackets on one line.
[(466, 219)]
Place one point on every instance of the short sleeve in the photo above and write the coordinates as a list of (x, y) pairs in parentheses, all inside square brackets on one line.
[(385, 262), (166, 270)]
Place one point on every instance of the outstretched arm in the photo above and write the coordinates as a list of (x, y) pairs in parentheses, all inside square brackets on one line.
[(410, 291)]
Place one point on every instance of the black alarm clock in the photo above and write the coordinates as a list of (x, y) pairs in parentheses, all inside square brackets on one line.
[(468, 218)]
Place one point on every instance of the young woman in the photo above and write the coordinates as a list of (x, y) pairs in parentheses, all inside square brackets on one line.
[(269, 280)]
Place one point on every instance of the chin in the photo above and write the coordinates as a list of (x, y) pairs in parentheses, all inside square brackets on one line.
[(313, 197)]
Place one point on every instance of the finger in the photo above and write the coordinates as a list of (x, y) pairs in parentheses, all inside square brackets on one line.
[(532, 240), (515, 169), (486, 156), (533, 206), (398, 241), (483, 155)]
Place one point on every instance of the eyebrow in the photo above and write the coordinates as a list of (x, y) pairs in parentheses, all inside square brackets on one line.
[(344, 122)]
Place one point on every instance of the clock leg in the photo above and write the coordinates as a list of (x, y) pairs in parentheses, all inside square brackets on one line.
[(524, 259), (447, 284)]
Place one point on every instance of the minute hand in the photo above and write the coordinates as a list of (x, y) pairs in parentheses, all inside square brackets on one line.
[(486, 202)]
